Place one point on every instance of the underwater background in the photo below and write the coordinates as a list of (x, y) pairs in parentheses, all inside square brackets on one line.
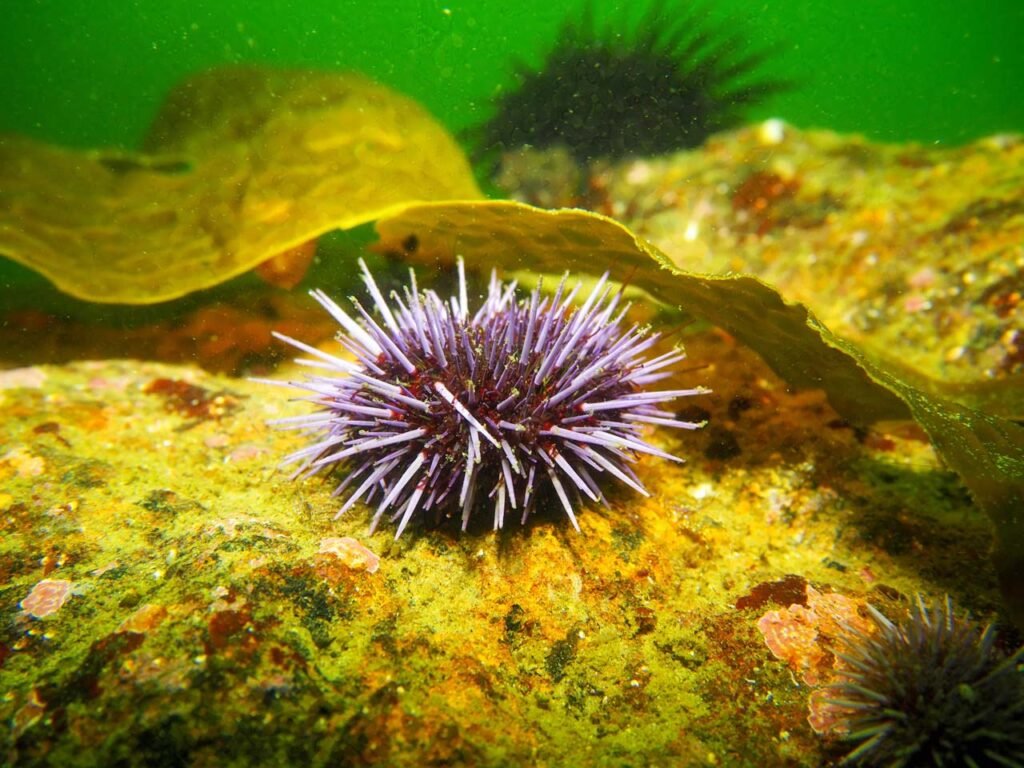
[(842, 258), (88, 76), (93, 75)]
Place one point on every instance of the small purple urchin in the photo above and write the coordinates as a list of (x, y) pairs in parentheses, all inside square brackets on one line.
[(441, 404), (930, 689)]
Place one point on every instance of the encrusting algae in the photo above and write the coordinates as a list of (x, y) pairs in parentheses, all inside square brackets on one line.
[(208, 581)]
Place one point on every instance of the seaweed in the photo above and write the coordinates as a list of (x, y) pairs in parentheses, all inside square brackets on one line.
[(242, 164), (986, 451)]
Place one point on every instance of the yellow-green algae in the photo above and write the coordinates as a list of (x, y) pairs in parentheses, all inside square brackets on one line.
[(250, 162), (911, 252), (206, 627)]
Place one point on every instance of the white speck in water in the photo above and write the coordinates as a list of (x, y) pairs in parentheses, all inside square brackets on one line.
[(702, 491), (771, 132)]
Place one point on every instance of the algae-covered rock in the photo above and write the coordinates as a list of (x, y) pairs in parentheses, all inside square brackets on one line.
[(170, 595), (203, 607), (913, 252)]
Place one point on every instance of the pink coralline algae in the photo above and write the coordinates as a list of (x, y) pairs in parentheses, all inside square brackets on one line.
[(47, 597), (29, 378), (803, 637), (806, 639), (351, 553), (791, 634)]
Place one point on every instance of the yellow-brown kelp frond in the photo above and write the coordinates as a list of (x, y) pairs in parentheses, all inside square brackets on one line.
[(987, 451), (243, 164)]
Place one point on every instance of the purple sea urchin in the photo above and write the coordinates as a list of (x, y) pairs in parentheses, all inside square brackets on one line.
[(931, 690), (666, 84), (442, 404)]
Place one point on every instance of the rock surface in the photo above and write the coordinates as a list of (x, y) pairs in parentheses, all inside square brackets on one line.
[(214, 619)]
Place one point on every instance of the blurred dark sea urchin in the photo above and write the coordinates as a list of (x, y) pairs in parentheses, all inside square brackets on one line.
[(930, 689), (442, 405), (661, 83)]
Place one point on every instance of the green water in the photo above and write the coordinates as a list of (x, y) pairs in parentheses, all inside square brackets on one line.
[(92, 74)]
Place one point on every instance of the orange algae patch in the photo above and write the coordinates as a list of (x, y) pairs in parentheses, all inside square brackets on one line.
[(147, 617), (286, 269), (191, 400), (22, 463), (824, 717), (351, 553), (792, 636), (47, 597), (804, 637)]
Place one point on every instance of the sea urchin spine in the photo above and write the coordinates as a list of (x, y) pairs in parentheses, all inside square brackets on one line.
[(930, 689), (665, 83), (441, 404)]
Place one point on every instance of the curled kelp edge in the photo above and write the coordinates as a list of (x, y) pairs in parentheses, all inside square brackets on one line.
[(986, 451), (242, 163)]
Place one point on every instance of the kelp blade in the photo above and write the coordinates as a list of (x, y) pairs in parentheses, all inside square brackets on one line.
[(243, 163), (986, 451)]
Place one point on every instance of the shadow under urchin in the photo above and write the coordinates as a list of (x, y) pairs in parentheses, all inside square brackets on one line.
[(662, 83)]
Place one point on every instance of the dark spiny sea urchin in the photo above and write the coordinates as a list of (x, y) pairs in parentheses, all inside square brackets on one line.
[(931, 690), (442, 404), (665, 84)]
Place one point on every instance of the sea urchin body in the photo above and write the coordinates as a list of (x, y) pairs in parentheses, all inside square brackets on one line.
[(931, 690), (666, 83), (441, 404)]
